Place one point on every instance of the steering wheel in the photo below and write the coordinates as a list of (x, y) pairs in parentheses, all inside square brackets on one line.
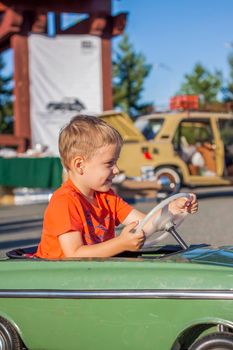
[(156, 226)]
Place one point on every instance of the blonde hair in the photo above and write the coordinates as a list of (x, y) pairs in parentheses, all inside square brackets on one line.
[(84, 135)]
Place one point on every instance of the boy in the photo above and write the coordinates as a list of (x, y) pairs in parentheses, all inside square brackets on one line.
[(82, 214)]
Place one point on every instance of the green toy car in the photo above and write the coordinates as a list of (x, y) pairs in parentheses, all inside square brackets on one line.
[(164, 297)]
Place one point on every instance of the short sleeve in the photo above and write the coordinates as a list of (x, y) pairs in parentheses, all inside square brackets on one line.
[(62, 216)]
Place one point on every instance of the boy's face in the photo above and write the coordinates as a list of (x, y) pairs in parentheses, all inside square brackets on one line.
[(99, 171)]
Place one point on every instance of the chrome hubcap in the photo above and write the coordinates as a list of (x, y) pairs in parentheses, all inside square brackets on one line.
[(5, 338), (2, 342)]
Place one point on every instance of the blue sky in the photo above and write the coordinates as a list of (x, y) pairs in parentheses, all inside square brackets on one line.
[(174, 35)]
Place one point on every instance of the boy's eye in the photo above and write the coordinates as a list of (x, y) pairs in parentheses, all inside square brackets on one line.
[(110, 164)]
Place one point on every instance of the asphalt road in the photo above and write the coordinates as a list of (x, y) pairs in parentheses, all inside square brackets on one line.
[(21, 225)]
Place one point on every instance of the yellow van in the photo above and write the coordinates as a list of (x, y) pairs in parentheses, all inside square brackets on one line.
[(189, 148)]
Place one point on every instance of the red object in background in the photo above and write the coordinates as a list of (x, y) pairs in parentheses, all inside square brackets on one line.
[(147, 155), (184, 102)]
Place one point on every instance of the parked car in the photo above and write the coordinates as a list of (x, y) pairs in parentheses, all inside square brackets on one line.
[(165, 297), (189, 148)]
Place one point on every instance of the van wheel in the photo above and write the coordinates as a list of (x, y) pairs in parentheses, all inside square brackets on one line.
[(169, 178), (214, 341), (9, 339)]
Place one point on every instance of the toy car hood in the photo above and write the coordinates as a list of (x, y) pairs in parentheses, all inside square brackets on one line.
[(222, 256)]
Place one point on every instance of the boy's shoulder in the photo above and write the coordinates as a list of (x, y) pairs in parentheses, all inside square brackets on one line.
[(63, 189), (66, 190)]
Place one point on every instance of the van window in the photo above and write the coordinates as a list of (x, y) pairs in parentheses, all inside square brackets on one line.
[(149, 127), (226, 131), (194, 143), (192, 132)]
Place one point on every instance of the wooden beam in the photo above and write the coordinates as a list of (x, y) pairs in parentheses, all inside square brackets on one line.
[(98, 25), (2, 7), (10, 24), (19, 44), (40, 23), (118, 24), (94, 25), (78, 6), (21, 22), (107, 73), (11, 140)]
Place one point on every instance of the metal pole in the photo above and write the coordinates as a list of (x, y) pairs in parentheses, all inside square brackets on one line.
[(177, 237)]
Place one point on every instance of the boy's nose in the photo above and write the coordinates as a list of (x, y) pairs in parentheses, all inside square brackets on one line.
[(116, 170)]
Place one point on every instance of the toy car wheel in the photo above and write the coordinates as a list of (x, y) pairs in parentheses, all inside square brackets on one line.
[(214, 341), (169, 178), (9, 339)]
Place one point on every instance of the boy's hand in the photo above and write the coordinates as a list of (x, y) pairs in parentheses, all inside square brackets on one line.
[(131, 241), (184, 205)]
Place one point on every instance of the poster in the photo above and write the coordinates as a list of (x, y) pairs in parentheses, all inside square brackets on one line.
[(65, 79)]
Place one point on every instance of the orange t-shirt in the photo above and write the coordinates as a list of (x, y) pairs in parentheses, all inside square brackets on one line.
[(68, 210)]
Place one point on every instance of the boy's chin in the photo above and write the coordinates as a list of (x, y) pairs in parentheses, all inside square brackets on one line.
[(106, 187)]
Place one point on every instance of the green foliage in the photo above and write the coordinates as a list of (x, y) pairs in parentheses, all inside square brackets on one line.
[(6, 105), (203, 83), (228, 90), (129, 73)]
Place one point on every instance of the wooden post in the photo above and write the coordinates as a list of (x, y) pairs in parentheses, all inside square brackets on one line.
[(19, 44), (107, 73)]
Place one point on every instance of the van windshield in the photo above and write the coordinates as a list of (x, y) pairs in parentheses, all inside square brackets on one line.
[(124, 125), (149, 127)]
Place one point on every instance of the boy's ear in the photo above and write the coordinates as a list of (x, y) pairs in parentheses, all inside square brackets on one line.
[(78, 164)]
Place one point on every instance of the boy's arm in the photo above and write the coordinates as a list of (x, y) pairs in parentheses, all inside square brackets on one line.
[(72, 244), (134, 215), (177, 206)]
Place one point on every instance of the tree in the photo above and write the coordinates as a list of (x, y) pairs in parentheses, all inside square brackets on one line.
[(203, 83), (228, 90), (129, 72), (6, 105)]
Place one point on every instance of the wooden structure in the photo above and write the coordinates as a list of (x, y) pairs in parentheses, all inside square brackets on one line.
[(19, 18)]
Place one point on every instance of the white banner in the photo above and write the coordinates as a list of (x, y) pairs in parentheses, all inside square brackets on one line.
[(65, 79)]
